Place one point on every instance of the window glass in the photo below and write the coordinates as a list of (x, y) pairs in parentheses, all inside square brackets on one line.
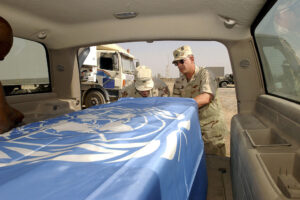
[(128, 65), (278, 41), (116, 63), (25, 69), (108, 61)]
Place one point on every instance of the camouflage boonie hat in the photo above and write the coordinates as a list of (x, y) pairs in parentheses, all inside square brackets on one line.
[(143, 78), (182, 53)]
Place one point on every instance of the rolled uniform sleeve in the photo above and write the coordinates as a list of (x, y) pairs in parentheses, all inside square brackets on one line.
[(207, 81)]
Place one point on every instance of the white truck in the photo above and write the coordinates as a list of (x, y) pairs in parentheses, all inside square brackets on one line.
[(104, 71)]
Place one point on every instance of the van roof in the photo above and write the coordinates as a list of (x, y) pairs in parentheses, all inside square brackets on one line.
[(66, 23)]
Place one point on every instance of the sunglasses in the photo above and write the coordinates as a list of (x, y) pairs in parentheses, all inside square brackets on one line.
[(179, 61)]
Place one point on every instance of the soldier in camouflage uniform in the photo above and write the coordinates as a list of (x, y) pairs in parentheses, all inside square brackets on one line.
[(144, 86), (196, 82)]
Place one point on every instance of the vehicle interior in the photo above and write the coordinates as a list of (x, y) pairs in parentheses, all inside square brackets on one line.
[(265, 141)]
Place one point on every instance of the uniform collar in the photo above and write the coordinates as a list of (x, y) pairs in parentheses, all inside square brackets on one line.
[(196, 72)]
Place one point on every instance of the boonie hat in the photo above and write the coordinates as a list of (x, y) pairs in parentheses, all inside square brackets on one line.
[(143, 78), (182, 53)]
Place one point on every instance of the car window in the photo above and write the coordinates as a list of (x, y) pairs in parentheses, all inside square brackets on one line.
[(25, 69), (278, 40)]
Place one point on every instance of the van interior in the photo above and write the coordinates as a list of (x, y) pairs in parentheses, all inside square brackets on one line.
[(262, 39)]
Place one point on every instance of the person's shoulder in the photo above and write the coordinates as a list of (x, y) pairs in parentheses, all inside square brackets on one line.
[(203, 71), (128, 90)]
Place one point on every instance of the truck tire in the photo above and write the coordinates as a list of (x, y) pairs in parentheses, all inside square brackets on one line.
[(94, 98), (223, 84)]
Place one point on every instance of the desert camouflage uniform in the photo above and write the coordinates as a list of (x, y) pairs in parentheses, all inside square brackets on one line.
[(211, 117), (160, 89)]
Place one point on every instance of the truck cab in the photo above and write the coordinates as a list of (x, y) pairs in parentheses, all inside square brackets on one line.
[(104, 72)]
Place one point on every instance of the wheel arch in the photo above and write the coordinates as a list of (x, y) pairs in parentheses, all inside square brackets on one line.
[(224, 81), (96, 88)]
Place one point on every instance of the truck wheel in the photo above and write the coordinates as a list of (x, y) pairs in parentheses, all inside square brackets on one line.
[(223, 84), (94, 98)]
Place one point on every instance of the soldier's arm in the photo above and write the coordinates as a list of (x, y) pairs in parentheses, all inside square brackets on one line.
[(203, 99), (124, 92), (208, 88)]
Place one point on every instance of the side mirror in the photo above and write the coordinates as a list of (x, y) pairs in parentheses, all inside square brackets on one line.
[(137, 63), (82, 56)]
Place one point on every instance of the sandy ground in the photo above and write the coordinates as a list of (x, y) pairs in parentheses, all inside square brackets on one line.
[(229, 104), (228, 100)]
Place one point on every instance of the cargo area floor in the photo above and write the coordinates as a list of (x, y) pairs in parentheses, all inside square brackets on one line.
[(219, 179)]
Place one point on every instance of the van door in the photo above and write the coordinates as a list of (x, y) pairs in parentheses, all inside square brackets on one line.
[(265, 143)]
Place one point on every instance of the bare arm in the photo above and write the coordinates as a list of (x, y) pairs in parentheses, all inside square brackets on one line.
[(203, 99)]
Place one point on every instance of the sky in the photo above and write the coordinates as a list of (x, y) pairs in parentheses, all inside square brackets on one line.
[(158, 55)]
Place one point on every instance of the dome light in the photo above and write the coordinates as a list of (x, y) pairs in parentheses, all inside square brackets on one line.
[(125, 15)]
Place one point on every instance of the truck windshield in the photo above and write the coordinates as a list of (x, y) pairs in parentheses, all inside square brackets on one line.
[(128, 65), (278, 40)]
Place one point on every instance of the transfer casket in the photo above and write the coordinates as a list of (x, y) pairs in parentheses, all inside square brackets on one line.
[(144, 148)]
